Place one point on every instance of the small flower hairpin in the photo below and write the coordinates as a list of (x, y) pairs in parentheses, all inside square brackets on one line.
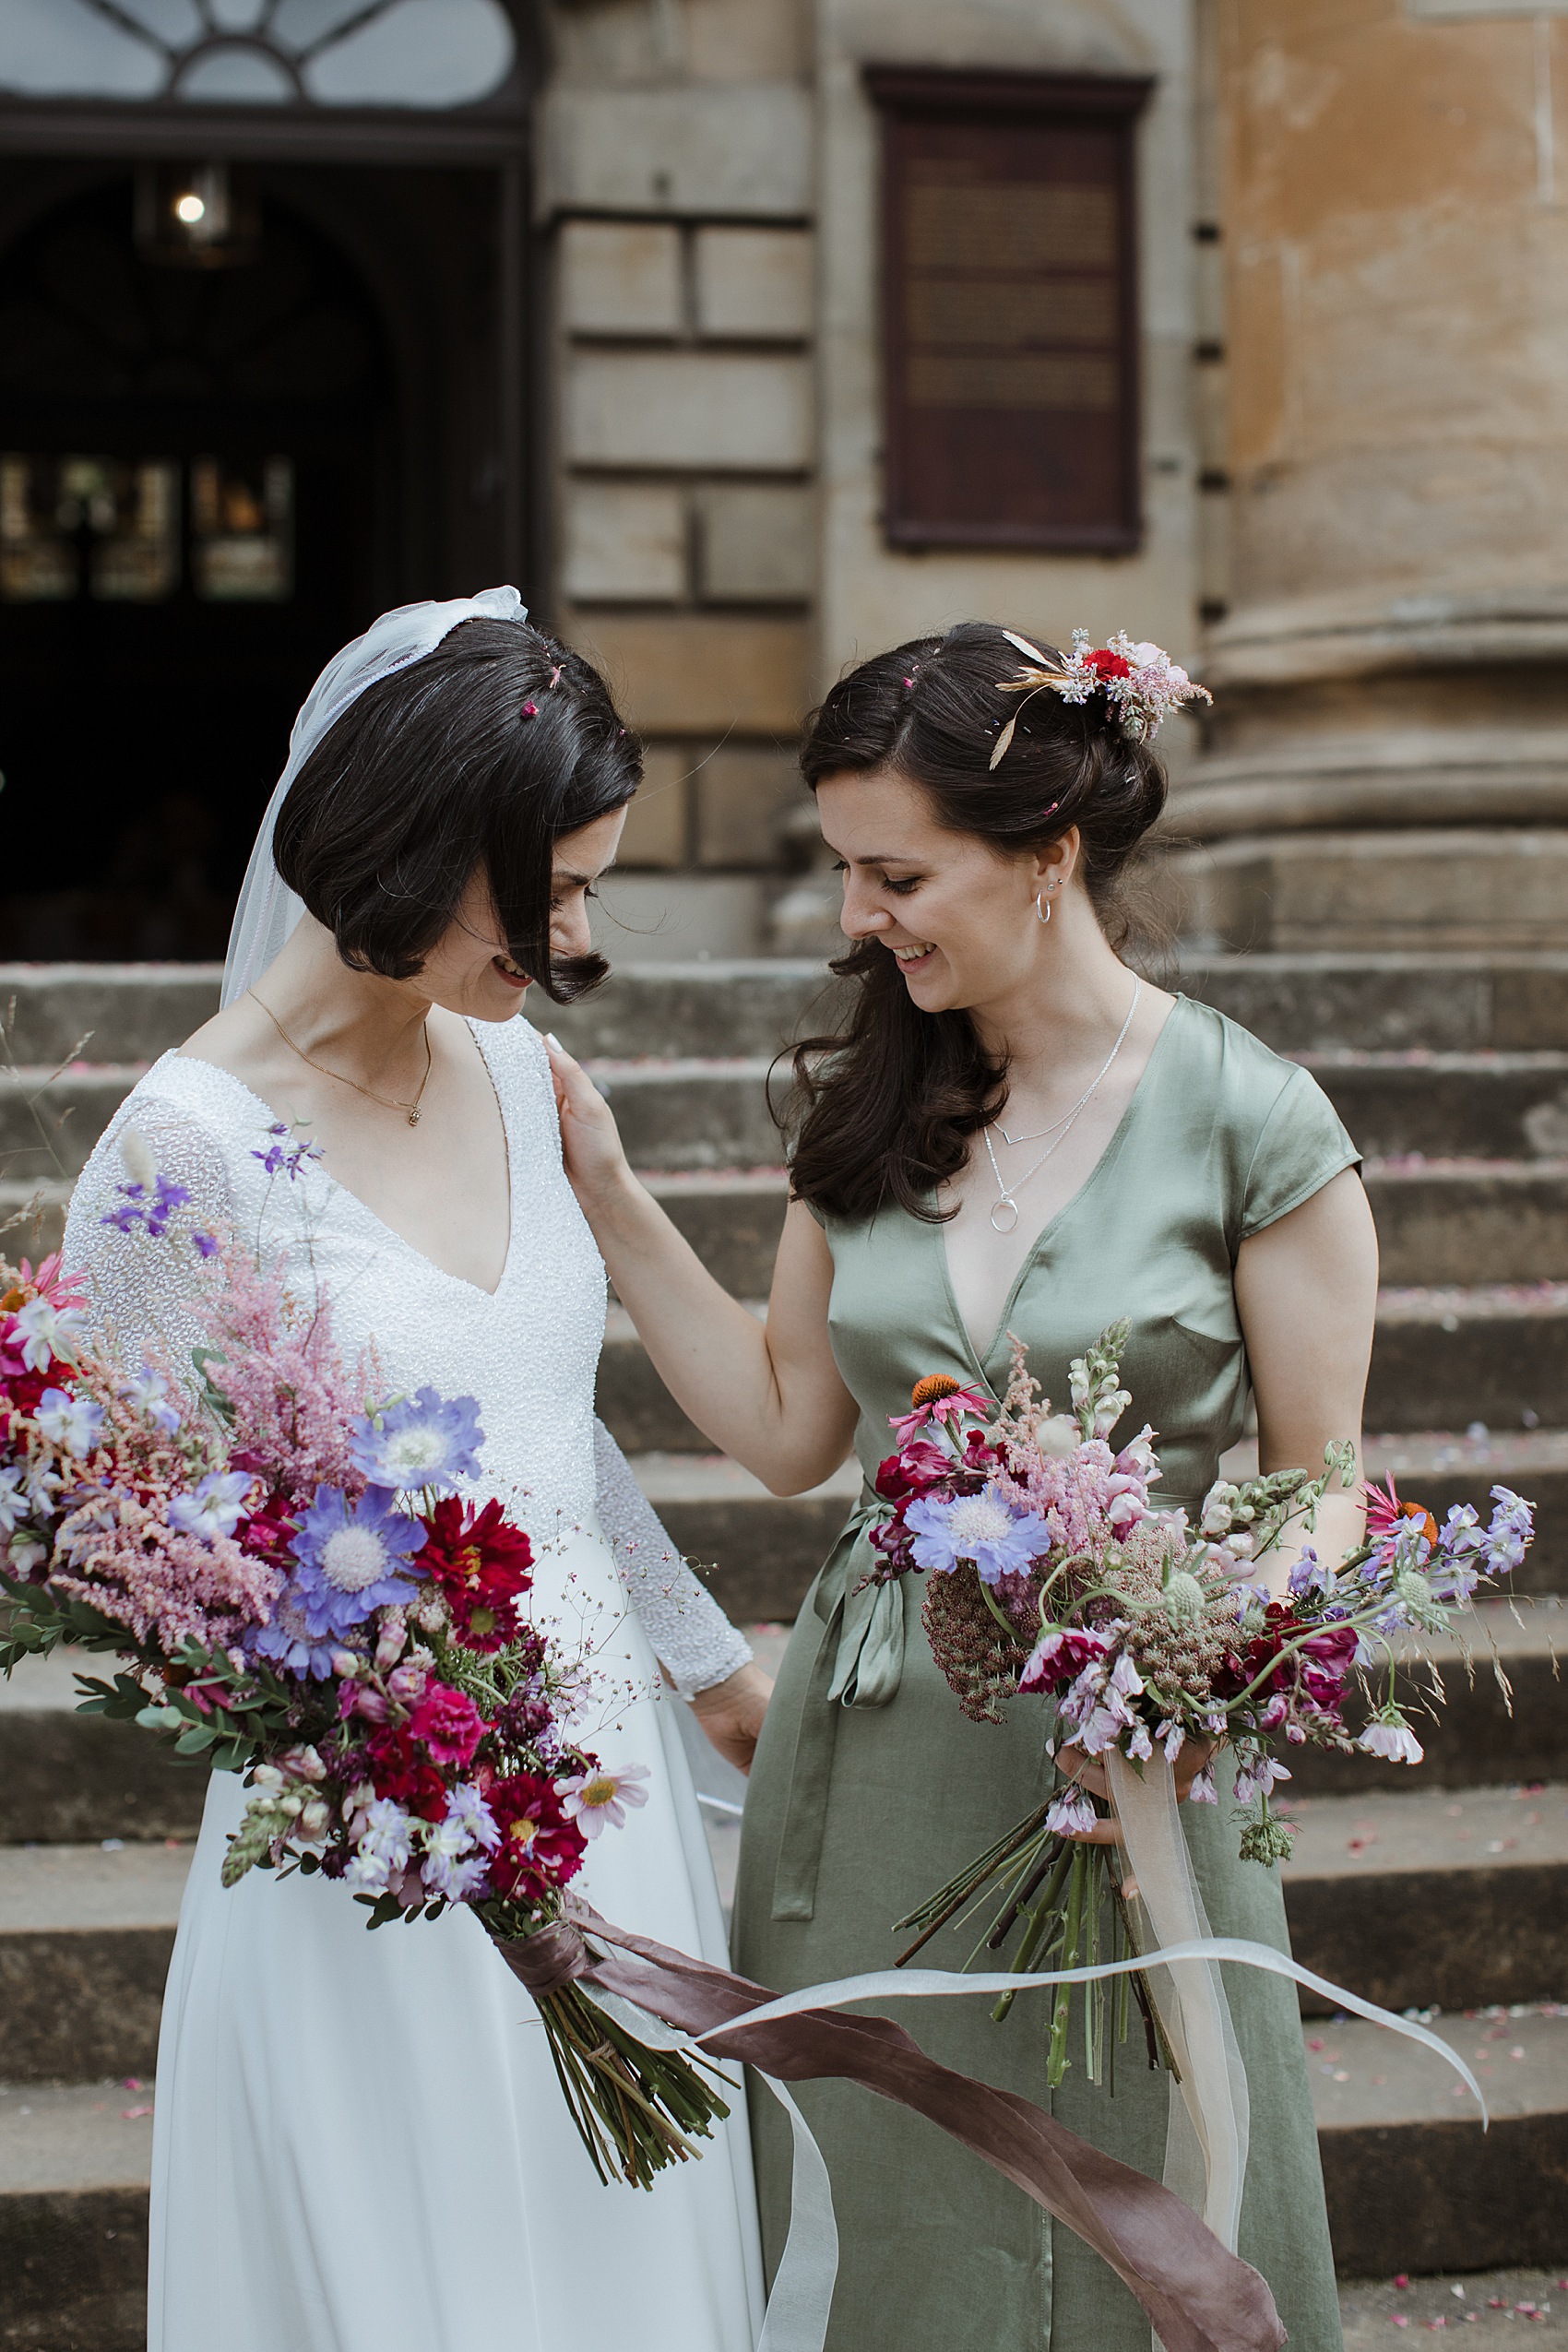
[(1140, 681)]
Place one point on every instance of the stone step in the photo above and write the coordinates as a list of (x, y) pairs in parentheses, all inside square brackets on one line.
[(85, 1941), (1490, 2304), (1431, 1896), (713, 1113), (49, 1124), (1507, 1001), (1439, 1221), (1444, 1357), (1490, 1106), (108, 1011), (1480, 1734), (75, 2164), (1470, 1220), (758, 1551), (33, 1216), (1413, 2181), (65, 1777), (691, 1113), (1472, 1002)]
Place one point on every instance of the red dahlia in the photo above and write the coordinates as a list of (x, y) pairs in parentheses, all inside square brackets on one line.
[(399, 1770), (539, 1849), (483, 1565)]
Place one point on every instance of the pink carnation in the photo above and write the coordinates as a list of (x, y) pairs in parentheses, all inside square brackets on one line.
[(449, 1724)]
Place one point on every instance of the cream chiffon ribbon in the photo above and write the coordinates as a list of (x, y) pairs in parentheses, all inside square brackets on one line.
[(1205, 2148)]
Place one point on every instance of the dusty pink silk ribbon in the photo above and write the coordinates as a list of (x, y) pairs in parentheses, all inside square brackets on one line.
[(1198, 2296)]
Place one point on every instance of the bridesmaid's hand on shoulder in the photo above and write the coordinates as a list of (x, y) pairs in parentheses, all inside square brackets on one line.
[(590, 1141), (732, 1713)]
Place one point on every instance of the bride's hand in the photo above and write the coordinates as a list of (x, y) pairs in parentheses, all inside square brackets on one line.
[(590, 1141), (732, 1713), (1072, 1763)]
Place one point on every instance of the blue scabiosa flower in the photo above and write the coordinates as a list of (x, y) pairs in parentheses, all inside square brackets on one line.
[(351, 1559), (288, 1642), (422, 1442), (984, 1528)]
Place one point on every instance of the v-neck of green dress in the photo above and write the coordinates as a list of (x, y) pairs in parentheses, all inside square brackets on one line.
[(1050, 1230)]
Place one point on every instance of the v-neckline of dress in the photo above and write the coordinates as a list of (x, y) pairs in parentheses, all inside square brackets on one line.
[(200, 1063), (981, 1358)]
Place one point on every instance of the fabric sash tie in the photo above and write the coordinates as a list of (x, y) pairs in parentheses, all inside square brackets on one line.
[(1199, 2297)]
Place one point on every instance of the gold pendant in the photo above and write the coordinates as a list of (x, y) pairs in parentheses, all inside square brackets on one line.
[(413, 1117)]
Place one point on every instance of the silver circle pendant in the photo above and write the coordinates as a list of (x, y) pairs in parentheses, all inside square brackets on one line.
[(1011, 1206)]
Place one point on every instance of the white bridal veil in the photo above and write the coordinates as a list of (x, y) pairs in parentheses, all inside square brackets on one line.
[(268, 909)]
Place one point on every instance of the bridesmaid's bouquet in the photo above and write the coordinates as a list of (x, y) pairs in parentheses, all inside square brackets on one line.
[(1050, 1573), (299, 1591)]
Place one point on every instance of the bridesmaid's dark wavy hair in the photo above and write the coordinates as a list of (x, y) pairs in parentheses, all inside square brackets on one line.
[(882, 1111), (479, 755)]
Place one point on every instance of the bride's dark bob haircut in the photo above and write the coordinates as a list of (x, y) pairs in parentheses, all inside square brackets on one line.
[(477, 757), (882, 1111)]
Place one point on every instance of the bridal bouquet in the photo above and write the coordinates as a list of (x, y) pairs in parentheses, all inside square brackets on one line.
[(1050, 1572), (298, 1591)]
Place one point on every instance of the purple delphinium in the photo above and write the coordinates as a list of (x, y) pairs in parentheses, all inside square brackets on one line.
[(150, 1392), (984, 1528), (151, 1206), (283, 1159), (215, 1505), (351, 1558), (424, 1441)]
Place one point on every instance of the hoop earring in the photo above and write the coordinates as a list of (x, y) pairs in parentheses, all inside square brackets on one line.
[(1044, 918)]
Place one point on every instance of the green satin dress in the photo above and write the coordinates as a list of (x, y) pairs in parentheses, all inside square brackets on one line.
[(870, 1788)]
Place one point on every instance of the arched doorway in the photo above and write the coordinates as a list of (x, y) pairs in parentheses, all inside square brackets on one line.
[(198, 502)]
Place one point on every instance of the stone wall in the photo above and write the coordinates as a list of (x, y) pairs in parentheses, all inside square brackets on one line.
[(707, 182), (675, 187), (1389, 756)]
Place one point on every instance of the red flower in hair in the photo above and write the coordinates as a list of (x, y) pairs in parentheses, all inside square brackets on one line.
[(483, 1565), (1106, 664)]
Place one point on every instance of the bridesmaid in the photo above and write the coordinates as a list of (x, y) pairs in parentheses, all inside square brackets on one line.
[(1012, 1133)]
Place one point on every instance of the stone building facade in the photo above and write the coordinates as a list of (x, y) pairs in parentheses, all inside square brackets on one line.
[(662, 410)]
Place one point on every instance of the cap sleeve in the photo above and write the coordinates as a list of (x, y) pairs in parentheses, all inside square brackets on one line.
[(1302, 1145)]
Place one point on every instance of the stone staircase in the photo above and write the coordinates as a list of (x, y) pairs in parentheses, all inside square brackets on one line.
[(1445, 1889)]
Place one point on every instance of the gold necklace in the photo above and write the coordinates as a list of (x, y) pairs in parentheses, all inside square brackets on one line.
[(386, 1102)]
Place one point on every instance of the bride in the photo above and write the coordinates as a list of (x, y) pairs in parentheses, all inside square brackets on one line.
[(359, 2144)]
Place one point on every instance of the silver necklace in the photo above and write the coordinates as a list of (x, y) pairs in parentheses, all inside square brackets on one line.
[(1007, 1194)]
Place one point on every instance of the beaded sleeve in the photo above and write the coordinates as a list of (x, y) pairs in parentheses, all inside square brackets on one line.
[(144, 1293), (687, 1631)]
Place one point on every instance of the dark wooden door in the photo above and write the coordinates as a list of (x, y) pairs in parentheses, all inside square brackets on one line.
[(198, 489)]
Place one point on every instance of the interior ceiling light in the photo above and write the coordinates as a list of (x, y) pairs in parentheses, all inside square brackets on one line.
[(197, 216)]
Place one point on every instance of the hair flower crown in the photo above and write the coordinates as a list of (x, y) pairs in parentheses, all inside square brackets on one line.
[(1140, 682)]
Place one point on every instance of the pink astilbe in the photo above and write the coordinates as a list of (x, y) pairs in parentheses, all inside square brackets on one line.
[(293, 1402), (115, 1549), (118, 1552)]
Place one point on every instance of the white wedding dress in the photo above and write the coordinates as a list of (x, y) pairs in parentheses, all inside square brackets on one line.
[(360, 2145)]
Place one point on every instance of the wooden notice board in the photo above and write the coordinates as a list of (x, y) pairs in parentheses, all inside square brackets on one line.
[(1009, 306)]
